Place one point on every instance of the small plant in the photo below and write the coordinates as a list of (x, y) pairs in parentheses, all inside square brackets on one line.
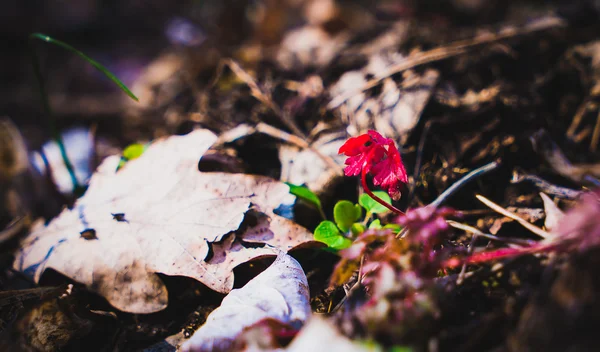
[(132, 151), (347, 224), (373, 154), (367, 153), (340, 233)]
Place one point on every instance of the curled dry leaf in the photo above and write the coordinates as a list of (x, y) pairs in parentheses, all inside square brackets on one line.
[(280, 292), (159, 214)]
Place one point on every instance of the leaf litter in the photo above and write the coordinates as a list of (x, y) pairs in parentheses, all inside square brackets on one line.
[(469, 93), (172, 217)]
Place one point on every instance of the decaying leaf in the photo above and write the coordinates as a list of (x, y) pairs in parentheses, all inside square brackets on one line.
[(396, 111), (280, 292), (304, 167), (170, 216)]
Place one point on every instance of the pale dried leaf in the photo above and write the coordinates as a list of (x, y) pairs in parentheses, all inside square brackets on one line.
[(553, 213), (304, 167), (396, 110), (319, 335), (309, 46), (280, 292), (171, 216)]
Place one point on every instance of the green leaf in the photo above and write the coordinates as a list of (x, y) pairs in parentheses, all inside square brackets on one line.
[(357, 228), (372, 205), (133, 151), (394, 227), (305, 194), (375, 224), (91, 61), (345, 213), (328, 233)]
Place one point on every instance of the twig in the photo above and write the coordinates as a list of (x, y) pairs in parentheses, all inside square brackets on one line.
[(464, 180), (463, 269), (245, 130), (555, 157), (476, 234), (520, 220), (263, 97), (12, 229), (545, 186), (353, 288), (577, 118), (476, 231), (298, 137), (458, 184), (277, 133)]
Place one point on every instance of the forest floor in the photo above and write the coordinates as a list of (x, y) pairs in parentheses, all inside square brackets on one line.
[(181, 206)]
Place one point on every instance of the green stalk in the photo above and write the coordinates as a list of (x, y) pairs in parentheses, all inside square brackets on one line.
[(46, 103)]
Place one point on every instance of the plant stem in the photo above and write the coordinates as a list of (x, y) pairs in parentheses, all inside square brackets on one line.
[(458, 184), (363, 179), (77, 188), (50, 117)]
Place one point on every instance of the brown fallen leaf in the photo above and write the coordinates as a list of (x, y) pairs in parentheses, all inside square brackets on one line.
[(280, 293), (159, 214), (396, 110)]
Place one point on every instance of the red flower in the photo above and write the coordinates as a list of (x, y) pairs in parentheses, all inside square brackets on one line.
[(372, 153)]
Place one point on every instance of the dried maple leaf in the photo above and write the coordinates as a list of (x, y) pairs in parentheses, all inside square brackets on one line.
[(159, 214)]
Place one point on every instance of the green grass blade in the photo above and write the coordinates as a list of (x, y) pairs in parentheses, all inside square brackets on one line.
[(77, 188), (92, 62)]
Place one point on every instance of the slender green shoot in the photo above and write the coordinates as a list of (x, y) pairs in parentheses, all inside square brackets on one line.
[(91, 61), (77, 188)]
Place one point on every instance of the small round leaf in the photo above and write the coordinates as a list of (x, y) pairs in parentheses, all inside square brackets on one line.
[(375, 225), (345, 213), (372, 205), (328, 233)]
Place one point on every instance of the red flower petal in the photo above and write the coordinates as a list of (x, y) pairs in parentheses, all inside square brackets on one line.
[(378, 138), (355, 145), (389, 173), (371, 152), (355, 164)]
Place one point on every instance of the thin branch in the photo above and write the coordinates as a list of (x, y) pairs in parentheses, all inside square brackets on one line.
[(464, 180), (538, 231)]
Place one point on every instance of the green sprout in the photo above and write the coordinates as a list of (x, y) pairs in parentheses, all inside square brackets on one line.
[(132, 151), (77, 188), (346, 225)]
